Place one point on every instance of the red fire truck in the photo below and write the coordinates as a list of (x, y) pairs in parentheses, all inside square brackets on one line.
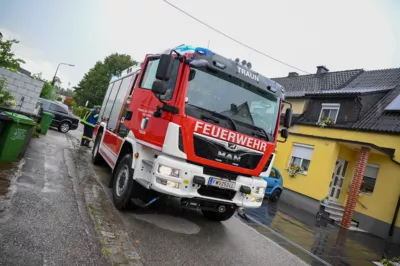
[(190, 124)]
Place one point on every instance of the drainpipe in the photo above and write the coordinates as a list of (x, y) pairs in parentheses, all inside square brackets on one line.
[(396, 212)]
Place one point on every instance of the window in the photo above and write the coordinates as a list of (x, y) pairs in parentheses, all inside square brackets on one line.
[(273, 174), (369, 178), (149, 76), (111, 99), (103, 106), (45, 104), (301, 156), (329, 110), (57, 108), (123, 130), (119, 100)]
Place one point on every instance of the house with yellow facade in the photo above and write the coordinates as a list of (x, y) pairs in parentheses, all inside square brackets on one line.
[(344, 147)]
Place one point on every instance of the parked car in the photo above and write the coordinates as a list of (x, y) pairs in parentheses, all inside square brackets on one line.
[(274, 185), (63, 120)]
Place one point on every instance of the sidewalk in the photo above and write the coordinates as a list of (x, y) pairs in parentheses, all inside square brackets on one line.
[(42, 221), (333, 245)]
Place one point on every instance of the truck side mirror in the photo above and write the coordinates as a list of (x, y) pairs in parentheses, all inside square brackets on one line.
[(284, 133), (164, 68), (159, 87), (287, 122)]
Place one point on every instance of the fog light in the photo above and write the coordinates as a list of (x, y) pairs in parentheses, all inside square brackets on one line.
[(169, 171), (260, 190), (256, 199), (167, 183)]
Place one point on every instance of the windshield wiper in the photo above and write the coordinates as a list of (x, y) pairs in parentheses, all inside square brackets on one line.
[(265, 135), (217, 115)]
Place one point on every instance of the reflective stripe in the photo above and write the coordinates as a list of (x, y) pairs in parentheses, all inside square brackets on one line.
[(95, 116), (84, 137), (87, 115), (87, 123)]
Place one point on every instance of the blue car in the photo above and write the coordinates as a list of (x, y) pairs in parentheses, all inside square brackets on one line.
[(274, 185)]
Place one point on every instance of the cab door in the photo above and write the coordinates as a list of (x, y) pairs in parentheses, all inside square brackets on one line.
[(148, 129)]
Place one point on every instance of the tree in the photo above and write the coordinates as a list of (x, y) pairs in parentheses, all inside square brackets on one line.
[(94, 84), (69, 101), (48, 90), (59, 99), (7, 57)]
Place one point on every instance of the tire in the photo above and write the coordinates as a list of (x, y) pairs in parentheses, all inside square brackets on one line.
[(123, 183), (64, 127), (276, 194), (217, 216), (96, 156)]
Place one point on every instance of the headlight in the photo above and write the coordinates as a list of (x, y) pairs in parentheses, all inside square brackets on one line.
[(260, 190), (166, 170), (167, 183)]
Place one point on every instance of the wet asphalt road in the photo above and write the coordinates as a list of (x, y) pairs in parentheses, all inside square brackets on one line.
[(164, 234), (46, 220)]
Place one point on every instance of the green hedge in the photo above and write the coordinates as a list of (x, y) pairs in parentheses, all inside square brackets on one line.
[(80, 111)]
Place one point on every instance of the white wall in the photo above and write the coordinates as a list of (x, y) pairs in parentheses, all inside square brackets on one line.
[(22, 85)]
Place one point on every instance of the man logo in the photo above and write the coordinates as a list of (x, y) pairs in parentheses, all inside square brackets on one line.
[(228, 156), (231, 147)]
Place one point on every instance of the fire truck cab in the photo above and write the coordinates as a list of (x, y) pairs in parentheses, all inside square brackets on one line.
[(190, 124)]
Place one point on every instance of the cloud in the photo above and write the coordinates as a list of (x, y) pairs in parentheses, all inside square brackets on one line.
[(35, 59)]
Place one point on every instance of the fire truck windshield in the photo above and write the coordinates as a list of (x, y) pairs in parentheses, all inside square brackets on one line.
[(235, 99)]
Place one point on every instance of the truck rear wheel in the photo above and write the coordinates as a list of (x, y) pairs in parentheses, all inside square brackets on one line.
[(123, 183), (219, 216)]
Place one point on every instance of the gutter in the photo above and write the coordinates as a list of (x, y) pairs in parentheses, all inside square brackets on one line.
[(383, 150)]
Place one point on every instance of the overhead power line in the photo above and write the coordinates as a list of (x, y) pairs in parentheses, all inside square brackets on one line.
[(233, 39)]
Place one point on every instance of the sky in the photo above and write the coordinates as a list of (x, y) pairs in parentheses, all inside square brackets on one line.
[(338, 34)]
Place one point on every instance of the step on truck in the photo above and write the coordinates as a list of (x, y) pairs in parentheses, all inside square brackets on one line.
[(191, 124)]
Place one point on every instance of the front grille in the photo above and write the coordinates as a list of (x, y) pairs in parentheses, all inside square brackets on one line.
[(216, 150), (215, 192)]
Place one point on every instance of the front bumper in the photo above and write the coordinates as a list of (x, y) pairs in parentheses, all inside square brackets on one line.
[(190, 174)]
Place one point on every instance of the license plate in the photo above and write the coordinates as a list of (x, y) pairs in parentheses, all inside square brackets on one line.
[(226, 184)]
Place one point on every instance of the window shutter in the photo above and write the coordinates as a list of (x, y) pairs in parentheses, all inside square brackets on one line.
[(302, 151)]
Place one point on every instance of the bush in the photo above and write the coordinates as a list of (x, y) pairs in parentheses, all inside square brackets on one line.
[(80, 111), (6, 98)]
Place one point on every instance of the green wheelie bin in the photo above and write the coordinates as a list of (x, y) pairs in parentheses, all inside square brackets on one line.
[(16, 134), (45, 122)]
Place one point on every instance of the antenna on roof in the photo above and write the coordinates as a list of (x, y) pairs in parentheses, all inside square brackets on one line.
[(208, 45)]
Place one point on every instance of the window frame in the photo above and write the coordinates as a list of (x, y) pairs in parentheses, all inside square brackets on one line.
[(305, 172), (144, 75), (330, 106), (376, 166), (58, 108)]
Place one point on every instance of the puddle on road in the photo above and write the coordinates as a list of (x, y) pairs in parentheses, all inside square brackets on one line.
[(171, 223), (9, 172)]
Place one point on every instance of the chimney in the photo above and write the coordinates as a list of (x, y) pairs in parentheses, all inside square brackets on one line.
[(321, 70), (293, 74)]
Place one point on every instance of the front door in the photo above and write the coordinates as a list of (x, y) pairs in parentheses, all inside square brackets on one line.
[(337, 179), (148, 129)]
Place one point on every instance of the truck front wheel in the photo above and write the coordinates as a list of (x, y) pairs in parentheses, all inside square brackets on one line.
[(219, 216), (123, 183)]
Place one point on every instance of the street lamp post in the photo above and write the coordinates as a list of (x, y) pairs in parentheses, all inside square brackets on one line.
[(55, 75)]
